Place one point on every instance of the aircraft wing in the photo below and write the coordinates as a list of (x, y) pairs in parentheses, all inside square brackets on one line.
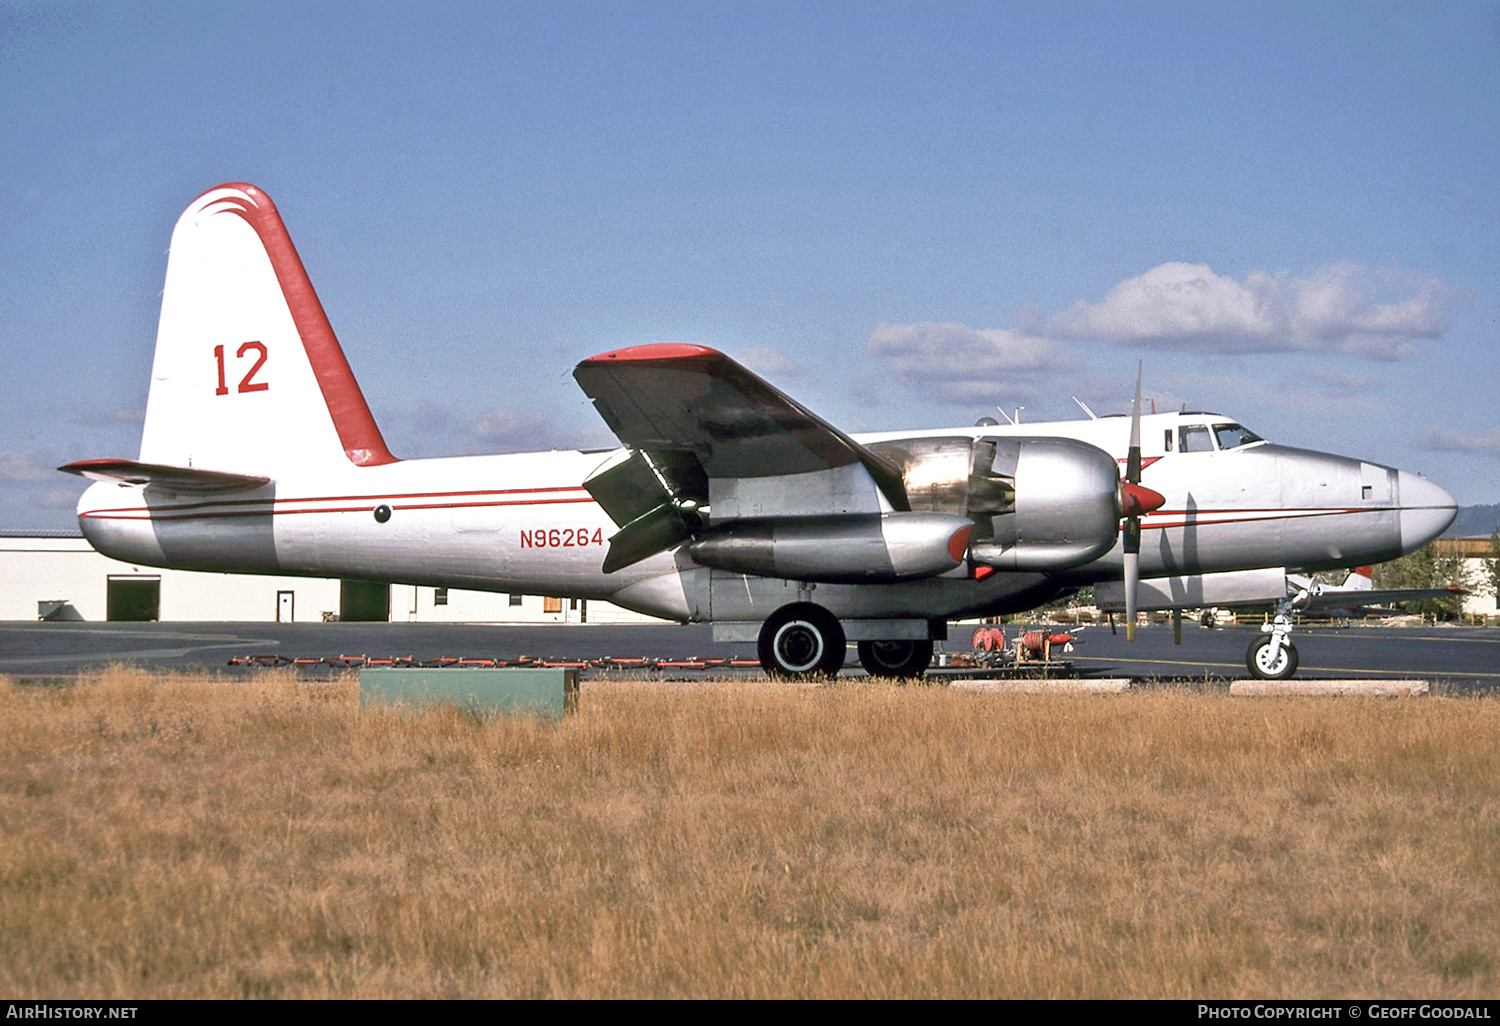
[(1350, 602), (702, 431), (178, 479), (689, 398), (1257, 589)]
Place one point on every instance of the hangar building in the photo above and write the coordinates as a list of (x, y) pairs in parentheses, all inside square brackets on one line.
[(57, 575)]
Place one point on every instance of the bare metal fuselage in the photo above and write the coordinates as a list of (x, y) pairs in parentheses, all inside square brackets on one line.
[(525, 523)]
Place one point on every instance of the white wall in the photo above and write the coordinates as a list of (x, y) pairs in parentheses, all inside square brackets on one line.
[(1476, 603), (35, 568)]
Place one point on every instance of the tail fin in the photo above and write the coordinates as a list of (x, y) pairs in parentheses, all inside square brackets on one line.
[(1361, 578), (248, 376)]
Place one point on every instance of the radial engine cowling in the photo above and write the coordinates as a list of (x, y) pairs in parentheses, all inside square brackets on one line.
[(1067, 506), (838, 549), (1036, 503)]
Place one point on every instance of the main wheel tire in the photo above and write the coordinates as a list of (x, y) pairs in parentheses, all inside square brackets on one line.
[(801, 641), (902, 660), (1268, 663)]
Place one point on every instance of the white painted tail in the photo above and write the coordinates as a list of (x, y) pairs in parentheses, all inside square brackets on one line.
[(248, 376)]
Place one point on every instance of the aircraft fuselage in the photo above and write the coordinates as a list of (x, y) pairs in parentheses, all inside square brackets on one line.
[(524, 523)]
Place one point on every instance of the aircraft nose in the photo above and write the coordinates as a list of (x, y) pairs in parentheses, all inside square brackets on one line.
[(1426, 510)]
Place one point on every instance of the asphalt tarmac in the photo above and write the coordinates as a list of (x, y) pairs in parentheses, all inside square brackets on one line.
[(1460, 658)]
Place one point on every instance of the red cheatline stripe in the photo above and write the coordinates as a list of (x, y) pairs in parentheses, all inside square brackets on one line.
[(143, 513), (1278, 510), (1216, 518), (377, 498)]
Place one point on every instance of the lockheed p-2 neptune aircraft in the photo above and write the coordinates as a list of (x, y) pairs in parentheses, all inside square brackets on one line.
[(727, 502)]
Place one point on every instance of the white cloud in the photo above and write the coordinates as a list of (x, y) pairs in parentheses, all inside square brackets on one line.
[(1336, 384), (511, 430), (769, 363), (1262, 400), (431, 430), (60, 498), (1483, 443), (1342, 309), (1188, 306), (24, 467), (959, 364), (507, 429)]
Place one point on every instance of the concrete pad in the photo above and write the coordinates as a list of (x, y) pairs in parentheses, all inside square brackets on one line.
[(1103, 686), (1379, 688)]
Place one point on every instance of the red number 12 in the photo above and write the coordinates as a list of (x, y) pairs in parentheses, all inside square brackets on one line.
[(247, 383)]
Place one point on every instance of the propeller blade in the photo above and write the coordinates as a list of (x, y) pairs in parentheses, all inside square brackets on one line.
[(1133, 460), (1134, 502)]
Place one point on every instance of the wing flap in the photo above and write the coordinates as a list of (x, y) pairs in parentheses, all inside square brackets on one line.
[(178, 479)]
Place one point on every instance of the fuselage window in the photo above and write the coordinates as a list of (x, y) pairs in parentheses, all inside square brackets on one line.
[(1232, 436), (1195, 439), (1167, 440)]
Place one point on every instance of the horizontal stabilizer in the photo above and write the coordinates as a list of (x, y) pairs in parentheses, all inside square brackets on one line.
[(178, 479)]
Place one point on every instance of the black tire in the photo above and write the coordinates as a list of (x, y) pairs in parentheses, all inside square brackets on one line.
[(902, 660), (1261, 665), (801, 641)]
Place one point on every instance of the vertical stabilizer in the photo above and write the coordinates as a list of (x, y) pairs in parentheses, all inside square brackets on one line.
[(248, 376)]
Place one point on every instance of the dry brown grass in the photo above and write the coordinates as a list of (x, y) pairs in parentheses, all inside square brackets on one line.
[(175, 837)]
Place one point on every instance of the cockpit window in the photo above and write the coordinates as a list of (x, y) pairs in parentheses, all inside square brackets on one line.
[(1195, 438), (1231, 436)]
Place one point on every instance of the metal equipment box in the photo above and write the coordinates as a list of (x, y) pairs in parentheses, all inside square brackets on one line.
[(549, 693)]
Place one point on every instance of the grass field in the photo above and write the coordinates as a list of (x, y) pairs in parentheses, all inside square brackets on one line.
[(191, 837)]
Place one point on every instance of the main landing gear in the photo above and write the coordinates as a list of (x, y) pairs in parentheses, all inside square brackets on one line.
[(1272, 656), (903, 660), (806, 641), (801, 640)]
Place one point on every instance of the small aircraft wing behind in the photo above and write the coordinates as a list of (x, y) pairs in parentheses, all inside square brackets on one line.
[(178, 479), (1265, 588), (1352, 603), (677, 397)]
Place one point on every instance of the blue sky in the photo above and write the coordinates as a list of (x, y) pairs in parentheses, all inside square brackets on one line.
[(902, 214)]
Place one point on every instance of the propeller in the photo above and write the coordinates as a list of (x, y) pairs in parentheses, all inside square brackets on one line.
[(1135, 502)]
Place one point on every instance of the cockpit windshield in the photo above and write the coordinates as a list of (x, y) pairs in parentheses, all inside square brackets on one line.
[(1232, 436), (1195, 438)]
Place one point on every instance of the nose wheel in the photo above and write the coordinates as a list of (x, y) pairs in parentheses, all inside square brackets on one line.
[(1271, 657)]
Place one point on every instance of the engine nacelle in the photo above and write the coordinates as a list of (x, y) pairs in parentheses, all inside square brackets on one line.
[(1036, 503), (1067, 506), (838, 550)]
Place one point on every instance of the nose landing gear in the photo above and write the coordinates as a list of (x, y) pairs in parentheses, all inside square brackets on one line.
[(1272, 656)]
